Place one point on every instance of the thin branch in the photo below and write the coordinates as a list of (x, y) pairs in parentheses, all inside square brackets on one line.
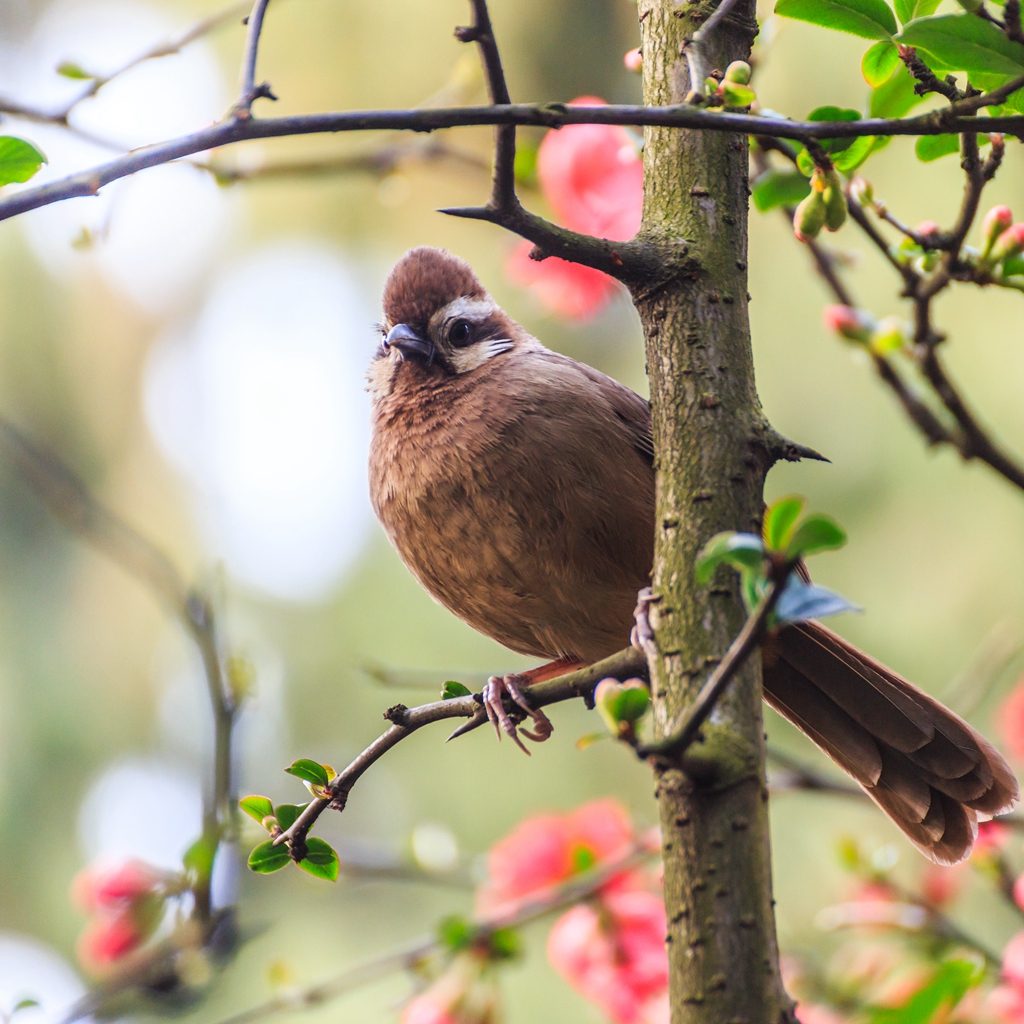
[(694, 50), (242, 110), (747, 640), (70, 501), (413, 953), (1011, 21), (405, 721)]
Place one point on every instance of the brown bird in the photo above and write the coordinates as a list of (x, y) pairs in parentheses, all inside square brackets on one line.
[(518, 487)]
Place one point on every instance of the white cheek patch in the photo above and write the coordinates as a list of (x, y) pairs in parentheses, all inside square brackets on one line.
[(465, 308), (469, 358)]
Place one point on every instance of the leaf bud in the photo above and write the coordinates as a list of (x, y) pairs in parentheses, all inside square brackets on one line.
[(847, 322), (735, 95), (738, 71), (889, 335), (996, 221), (809, 217), (1009, 243)]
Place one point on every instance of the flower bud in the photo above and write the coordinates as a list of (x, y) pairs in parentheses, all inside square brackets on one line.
[(889, 335), (847, 322), (738, 71), (926, 229), (809, 218), (996, 221), (1009, 243), (633, 59), (862, 192), (835, 205)]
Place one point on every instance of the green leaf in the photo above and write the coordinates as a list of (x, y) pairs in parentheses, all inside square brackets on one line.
[(895, 98), (69, 69), (287, 813), (780, 519), (816, 533), (320, 861), (199, 857), (779, 188), (267, 858), (963, 42), (455, 933), (257, 807), (741, 550), (872, 19), (831, 113), (629, 705), (19, 159), (879, 62), (452, 689), (947, 987), (849, 159), (590, 739), (1014, 266), (931, 147), (504, 944), (908, 10), (309, 771), (24, 1004)]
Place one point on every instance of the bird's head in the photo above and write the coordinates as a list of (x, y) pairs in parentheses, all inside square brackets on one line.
[(439, 322)]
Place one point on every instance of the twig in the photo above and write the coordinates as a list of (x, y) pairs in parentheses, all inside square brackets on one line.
[(405, 721), (242, 110), (412, 953), (70, 501), (694, 50), (1011, 21), (685, 733)]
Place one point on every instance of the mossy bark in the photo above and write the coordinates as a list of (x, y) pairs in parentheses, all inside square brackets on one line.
[(714, 448)]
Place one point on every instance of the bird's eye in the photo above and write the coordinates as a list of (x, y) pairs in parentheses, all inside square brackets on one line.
[(460, 332)]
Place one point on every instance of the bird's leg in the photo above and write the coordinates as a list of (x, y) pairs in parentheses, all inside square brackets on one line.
[(512, 684), (642, 635)]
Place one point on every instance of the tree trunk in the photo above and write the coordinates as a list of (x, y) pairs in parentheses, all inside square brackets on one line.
[(714, 448)]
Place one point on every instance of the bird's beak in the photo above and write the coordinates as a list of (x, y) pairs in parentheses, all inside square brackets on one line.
[(410, 342)]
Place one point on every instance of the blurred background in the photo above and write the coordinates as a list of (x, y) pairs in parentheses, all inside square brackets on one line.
[(194, 346)]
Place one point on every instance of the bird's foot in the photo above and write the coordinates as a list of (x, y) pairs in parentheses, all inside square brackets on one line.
[(493, 694), (642, 634)]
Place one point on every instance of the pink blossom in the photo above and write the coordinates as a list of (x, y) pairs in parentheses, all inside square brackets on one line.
[(616, 956), (110, 888), (427, 1009), (941, 885), (633, 59), (592, 177), (1009, 243), (1006, 1004), (1013, 961), (548, 848), (847, 322), (107, 939), (815, 1013), (992, 837), (569, 290), (996, 221), (1010, 722)]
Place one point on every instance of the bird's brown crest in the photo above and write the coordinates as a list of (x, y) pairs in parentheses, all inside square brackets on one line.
[(422, 282)]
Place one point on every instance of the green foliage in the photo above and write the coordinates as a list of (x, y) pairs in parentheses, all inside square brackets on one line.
[(879, 62), (931, 147), (947, 987), (452, 689), (776, 187), (267, 858), (743, 551), (872, 19), (69, 69), (287, 813), (780, 521), (309, 771), (896, 97), (199, 856), (961, 42), (846, 154), (257, 807), (320, 861), (19, 160), (816, 533), (24, 1004), (504, 944), (908, 10), (455, 933)]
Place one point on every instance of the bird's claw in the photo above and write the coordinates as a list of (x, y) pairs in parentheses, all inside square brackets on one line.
[(493, 694), (642, 634)]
